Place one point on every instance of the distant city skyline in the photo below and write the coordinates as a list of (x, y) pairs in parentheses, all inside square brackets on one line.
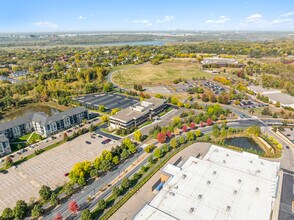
[(151, 15)]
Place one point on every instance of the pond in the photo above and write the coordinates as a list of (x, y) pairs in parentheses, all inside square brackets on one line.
[(29, 110), (244, 143)]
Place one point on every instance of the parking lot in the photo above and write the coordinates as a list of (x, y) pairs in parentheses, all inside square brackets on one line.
[(251, 104), (109, 100), (49, 168), (287, 196), (217, 89)]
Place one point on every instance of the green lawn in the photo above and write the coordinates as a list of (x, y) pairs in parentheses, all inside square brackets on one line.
[(30, 138)]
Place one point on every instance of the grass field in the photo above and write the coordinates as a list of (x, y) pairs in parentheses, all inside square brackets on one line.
[(148, 74)]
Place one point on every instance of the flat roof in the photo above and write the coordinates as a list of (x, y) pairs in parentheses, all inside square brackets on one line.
[(260, 89), (133, 112), (282, 98), (217, 187)]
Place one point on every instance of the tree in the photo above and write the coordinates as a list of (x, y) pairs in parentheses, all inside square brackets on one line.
[(65, 136), (202, 124), (125, 183), (20, 210), (73, 206), (191, 136), (86, 214), (149, 148), (215, 130), (108, 86), (45, 192), (209, 122), (8, 162), (161, 137), (192, 125), (7, 214), (104, 118), (54, 199), (176, 121), (101, 108), (116, 191), (182, 140), (169, 134), (101, 204), (158, 153), (68, 188), (198, 133), (115, 160), (114, 111), (124, 154), (58, 217), (105, 165), (185, 128), (37, 210), (138, 135), (174, 143)]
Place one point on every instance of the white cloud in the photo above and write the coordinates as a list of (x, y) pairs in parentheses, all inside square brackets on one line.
[(166, 18), (288, 14), (81, 17), (257, 21), (255, 18), (282, 21), (46, 24), (221, 20), (143, 21)]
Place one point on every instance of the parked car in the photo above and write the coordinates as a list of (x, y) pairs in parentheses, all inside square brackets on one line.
[(287, 147), (66, 174), (88, 142), (3, 171)]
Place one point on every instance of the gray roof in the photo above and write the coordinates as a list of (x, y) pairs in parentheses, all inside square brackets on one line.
[(40, 117), (134, 112), (3, 138), (44, 119), (16, 122)]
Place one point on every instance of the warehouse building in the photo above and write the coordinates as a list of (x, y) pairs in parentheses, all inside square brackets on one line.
[(224, 185)]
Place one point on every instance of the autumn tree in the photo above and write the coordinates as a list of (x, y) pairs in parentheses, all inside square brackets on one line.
[(161, 137), (73, 206)]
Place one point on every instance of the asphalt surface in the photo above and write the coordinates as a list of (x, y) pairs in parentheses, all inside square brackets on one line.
[(99, 131), (109, 100), (287, 196), (90, 190)]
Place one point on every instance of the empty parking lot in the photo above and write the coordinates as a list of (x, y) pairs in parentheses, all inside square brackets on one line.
[(48, 168), (109, 100)]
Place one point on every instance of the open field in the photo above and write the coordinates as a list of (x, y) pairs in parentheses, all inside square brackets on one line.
[(164, 73)]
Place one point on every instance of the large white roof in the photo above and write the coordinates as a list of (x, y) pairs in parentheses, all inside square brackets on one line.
[(214, 189)]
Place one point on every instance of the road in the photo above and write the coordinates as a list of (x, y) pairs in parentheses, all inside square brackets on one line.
[(91, 189)]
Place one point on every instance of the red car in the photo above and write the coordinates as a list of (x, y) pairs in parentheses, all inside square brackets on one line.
[(66, 174)]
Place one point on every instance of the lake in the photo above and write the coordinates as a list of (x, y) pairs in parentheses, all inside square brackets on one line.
[(29, 110), (244, 143)]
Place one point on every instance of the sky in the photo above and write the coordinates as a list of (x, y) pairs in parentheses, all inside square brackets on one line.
[(145, 15)]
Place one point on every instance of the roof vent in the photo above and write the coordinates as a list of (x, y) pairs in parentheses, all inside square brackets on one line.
[(257, 189), (191, 210), (228, 208), (261, 163), (239, 181), (258, 171), (176, 187), (172, 193), (208, 182), (235, 192), (214, 172), (227, 155), (199, 196), (251, 161), (224, 161), (184, 176)]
